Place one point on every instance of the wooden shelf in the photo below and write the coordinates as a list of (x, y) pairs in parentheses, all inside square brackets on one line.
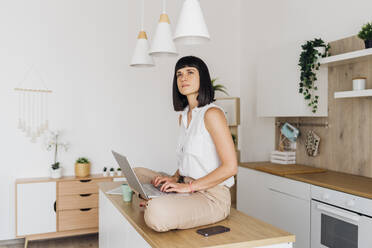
[(346, 58), (353, 93)]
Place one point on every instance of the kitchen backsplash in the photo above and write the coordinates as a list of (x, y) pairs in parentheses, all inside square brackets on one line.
[(346, 145)]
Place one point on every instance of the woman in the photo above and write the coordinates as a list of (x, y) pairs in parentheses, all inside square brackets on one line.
[(206, 157)]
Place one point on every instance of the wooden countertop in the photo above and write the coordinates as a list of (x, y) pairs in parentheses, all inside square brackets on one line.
[(282, 169), (245, 231), (64, 178), (351, 184)]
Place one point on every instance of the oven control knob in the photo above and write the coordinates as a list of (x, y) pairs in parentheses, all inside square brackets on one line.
[(350, 203), (325, 196)]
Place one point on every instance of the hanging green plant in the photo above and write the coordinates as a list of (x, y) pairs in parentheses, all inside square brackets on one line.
[(311, 52)]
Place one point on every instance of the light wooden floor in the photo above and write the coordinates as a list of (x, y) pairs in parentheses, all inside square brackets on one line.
[(85, 241)]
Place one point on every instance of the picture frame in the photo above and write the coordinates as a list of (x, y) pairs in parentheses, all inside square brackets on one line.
[(231, 106)]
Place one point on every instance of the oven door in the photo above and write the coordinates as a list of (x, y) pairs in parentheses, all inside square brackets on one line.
[(333, 227)]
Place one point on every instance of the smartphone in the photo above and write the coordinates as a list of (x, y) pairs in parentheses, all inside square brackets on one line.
[(212, 230)]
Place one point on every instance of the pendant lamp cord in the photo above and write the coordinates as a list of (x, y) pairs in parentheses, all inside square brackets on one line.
[(142, 14), (164, 6)]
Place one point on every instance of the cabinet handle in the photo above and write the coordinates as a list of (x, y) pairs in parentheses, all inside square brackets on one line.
[(85, 180), (85, 195), (55, 206), (85, 209)]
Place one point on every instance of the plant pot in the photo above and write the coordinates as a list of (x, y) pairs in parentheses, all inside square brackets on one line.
[(118, 173), (56, 173), (82, 170), (321, 50), (368, 43), (105, 173), (112, 173)]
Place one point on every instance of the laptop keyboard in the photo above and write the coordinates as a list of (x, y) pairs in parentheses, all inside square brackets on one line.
[(151, 190)]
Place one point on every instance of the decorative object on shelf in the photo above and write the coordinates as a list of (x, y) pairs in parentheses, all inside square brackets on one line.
[(162, 42), (105, 172), (312, 143), (141, 57), (191, 27), (118, 171), (359, 83), (82, 167), (112, 172), (218, 87), (33, 106), (290, 133), (366, 34), (52, 142), (311, 52)]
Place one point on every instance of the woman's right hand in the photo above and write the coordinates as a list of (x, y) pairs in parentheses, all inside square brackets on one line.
[(161, 180)]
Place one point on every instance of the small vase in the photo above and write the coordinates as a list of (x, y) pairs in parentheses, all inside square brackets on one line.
[(368, 43), (56, 173), (82, 170)]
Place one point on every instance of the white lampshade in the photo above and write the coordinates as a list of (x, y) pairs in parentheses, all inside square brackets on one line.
[(141, 57), (191, 28), (162, 42)]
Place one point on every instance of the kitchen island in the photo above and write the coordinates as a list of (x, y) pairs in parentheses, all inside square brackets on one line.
[(122, 224)]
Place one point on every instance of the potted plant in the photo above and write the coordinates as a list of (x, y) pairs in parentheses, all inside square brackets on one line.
[(366, 34), (55, 171), (112, 172), (311, 52), (105, 172), (218, 87), (82, 167), (52, 142), (118, 171)]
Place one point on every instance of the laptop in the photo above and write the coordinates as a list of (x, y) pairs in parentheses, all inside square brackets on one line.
[(147, 191)]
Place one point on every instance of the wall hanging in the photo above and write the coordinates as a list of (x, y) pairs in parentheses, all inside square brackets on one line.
[(32, 107), (162, 42), (141, 57)]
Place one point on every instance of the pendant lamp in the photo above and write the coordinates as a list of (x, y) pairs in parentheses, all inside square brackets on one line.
[(141, 57), (162, 42), (191, 27)]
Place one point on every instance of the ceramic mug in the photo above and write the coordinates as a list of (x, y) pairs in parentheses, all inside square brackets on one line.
[(359, 83), (127, 192)]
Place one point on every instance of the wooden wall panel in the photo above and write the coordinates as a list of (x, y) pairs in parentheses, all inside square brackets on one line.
[(345, 146)]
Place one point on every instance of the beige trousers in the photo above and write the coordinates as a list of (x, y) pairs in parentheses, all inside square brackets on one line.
[(181, 212)]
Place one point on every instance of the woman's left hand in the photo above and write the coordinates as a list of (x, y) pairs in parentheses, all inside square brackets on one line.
[(175, 187)]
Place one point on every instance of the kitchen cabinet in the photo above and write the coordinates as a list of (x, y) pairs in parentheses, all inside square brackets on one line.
[(278, 77), (114, 230), (36, 208), (282, 202)]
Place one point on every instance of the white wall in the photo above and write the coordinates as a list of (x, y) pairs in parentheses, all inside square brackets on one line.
[(82, 49), (266, 24)]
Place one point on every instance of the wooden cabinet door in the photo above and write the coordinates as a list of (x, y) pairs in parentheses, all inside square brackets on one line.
[(36, 208)]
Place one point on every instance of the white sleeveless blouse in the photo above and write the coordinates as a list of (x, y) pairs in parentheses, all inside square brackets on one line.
[(196, 152)]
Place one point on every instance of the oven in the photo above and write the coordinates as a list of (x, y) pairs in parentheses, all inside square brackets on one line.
[(340, 220)]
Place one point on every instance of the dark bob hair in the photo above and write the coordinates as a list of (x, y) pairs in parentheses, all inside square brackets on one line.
[(206, 91)]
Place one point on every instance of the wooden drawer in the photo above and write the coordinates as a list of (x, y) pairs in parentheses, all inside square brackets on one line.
[(77, 219), (83, 186), (66, 202)]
